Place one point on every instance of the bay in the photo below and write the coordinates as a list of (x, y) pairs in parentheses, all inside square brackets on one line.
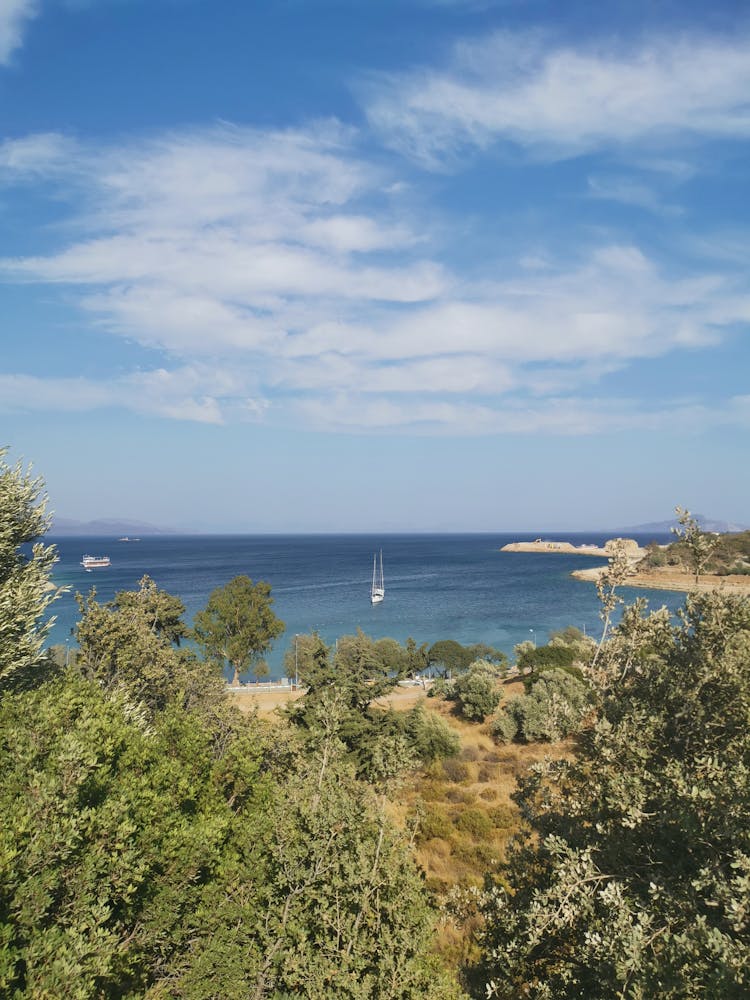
[(447, 586)]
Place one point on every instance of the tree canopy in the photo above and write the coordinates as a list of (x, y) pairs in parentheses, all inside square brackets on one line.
[(25, 588), (156, 842), (633, 877), (238, 625)]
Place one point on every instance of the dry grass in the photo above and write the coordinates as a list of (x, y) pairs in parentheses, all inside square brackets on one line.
[(467, 818)]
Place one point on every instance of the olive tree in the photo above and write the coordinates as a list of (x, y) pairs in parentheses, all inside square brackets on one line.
[(632, 878), (25, 588)]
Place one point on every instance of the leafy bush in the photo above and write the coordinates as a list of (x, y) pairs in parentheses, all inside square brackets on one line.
[(504, 728), (441, 688), (476, 692), (553, 708), (434, 824), (631, 874), (503, 817), (430, 736)]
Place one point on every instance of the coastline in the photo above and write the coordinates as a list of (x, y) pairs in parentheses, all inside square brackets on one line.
[(671, 580)]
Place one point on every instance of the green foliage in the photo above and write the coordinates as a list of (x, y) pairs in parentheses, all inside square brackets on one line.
[(698, 545), (434, 823), (238, 625), (551, 657), (430, 736), (448, 657), (553, 708), (120, 647), (476, 692), (113, 824), (161, 611), (633, 878), (475, 822), (504, 727), (25, 590), (157, 843), (655, 557), (702, 551), (340, 690)]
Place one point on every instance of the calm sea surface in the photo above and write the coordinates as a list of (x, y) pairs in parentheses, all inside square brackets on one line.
[(437, 586)]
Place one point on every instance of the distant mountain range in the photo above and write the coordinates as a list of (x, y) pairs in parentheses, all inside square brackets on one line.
[(105, 526), (706, 523)]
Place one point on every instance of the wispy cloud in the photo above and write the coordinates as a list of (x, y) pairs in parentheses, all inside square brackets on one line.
[(189, 393), (280, 276), (14, 15), (555, 102), (630, 191)]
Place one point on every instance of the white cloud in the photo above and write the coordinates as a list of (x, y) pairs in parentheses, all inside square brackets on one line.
[(183, 394), (14, 14), (34, 156), (277, 279), (557, 102), (629, 191)]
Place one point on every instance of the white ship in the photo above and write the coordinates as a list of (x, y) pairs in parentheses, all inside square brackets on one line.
[(94, 562)]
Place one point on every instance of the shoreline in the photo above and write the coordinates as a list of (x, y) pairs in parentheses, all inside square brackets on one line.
[(671, 580)]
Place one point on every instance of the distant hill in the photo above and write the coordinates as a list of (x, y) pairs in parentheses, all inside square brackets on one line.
[(105, 526), (706, 523)]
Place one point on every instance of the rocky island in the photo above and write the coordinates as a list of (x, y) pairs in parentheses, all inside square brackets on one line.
[(631, 547)]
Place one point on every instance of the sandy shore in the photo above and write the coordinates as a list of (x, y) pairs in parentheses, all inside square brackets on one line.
[(671, 580)]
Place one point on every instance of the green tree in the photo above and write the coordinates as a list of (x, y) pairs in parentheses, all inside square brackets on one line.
[(121, 647), (238, 625), (115, 825), (555, 705), (633, 876), (161, 611), (448, 657), (476, 692), (25, 589), (698, 545)]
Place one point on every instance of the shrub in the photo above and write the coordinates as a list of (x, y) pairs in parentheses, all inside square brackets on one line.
[(434, 824), (476, 693), (503, 817), (475, 822), (553, 708), (431, 737), (547, 658), (504, 728)]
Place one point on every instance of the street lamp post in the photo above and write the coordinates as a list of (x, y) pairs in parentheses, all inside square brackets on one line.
[(533, 633), (296, 662)]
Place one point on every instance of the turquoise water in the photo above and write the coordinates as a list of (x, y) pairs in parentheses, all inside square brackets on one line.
[(437, 586)]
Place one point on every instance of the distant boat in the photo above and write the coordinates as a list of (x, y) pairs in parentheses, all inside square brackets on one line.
[(94, 562), (126, 539), (377, 591)]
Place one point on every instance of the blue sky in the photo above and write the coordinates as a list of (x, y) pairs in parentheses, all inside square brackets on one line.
[(304, 265)]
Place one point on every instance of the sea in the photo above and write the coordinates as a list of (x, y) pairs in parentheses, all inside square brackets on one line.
[(437, 586)]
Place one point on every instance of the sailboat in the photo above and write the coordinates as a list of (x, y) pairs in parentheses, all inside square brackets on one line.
[(377, 591)]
